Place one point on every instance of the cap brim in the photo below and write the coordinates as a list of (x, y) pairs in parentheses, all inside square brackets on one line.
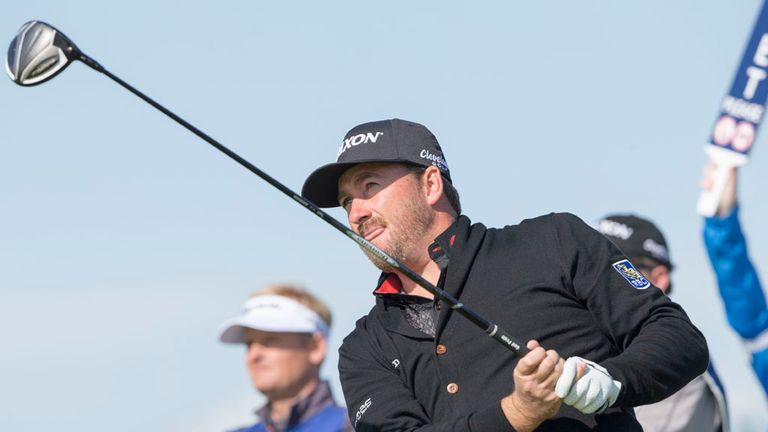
[(322, 186), (233, 334), (233, 331)]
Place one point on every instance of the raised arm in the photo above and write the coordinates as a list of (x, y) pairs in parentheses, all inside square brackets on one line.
[(737, 279)]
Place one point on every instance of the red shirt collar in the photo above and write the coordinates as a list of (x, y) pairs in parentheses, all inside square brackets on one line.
[(389, 283)]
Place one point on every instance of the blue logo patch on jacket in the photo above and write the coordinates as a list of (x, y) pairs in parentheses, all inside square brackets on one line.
[(631, 274)]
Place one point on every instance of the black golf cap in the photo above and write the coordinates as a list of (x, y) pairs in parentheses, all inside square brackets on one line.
[(392, 140), (636, 237)]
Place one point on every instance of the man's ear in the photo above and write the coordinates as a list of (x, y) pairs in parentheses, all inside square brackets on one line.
[(432, 181), (660, 277), (318, 349)]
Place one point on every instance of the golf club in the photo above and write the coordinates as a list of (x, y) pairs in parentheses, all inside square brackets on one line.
[(39, 52)]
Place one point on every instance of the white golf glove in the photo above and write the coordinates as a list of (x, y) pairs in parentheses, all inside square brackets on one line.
[(593, 393)]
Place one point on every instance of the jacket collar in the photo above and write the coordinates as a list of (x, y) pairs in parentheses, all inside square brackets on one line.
[(461, 243), (454, 250), (390, 301)]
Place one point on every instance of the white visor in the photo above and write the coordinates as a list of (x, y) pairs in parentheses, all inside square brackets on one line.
[(273, 313)]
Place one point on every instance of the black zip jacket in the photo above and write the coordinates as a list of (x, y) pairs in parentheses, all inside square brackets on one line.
[(550, 278)]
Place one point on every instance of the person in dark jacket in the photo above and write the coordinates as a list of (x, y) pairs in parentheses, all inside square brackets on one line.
[(701, 405), (600, 341), (285, 330)]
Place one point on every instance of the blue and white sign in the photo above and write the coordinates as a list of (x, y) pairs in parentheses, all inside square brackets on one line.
[(743, 107)]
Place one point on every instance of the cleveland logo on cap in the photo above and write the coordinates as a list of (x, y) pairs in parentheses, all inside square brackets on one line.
[(436, 160)]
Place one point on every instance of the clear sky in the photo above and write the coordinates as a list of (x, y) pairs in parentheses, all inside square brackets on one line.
[(125, 241)]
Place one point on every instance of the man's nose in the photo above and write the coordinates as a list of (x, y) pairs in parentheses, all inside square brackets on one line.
[(359, 211), (254, 350)]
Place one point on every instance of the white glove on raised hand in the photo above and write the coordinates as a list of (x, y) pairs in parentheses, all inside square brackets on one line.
[(593, 393)]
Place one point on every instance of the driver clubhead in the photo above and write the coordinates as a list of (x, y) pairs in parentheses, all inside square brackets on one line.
[(38, 53)]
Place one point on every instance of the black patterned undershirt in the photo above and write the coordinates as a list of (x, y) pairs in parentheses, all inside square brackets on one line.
[(421, 314)]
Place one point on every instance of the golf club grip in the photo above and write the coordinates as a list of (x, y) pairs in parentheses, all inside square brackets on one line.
[(494, 331), (490, 328)]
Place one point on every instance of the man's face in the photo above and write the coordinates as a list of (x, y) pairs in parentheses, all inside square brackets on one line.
[(385, 205), (657, 274), (281, 364)]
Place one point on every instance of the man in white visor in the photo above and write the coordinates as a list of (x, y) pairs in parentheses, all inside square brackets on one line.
[(285, 330)]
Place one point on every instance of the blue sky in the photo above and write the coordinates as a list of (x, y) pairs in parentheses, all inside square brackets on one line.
[(125, 241)]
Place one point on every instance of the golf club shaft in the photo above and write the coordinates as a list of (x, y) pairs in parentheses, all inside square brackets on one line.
[(490, 328)]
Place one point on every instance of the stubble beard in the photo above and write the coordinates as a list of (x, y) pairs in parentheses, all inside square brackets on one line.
[(405, 232)]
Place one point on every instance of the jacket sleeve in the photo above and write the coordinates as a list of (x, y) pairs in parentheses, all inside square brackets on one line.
[(739, 287), (378, 400), (658, 349)]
